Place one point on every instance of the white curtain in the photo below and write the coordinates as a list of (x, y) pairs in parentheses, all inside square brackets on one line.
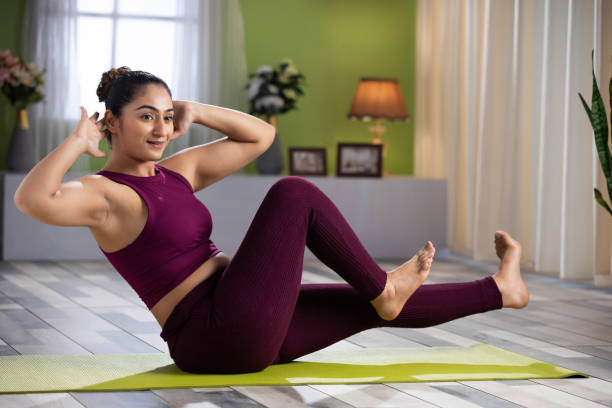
[(498, 115), (49, 40), (210, 62), (209, 66)]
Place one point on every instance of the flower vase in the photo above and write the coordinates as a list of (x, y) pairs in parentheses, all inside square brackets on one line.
[(271, 161), (21, 155)]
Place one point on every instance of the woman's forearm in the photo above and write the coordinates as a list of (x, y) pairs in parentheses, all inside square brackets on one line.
[(232, 123), (45, 178)]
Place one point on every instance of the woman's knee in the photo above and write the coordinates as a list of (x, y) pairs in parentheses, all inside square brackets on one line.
[(292, 187)]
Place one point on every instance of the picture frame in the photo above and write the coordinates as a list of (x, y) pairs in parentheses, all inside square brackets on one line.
[(359, 160), (307, 161)]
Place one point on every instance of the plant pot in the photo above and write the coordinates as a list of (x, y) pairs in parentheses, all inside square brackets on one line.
[(21, 155), (271, 161)]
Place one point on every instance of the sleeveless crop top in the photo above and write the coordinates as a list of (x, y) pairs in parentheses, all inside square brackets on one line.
[(175, 240)]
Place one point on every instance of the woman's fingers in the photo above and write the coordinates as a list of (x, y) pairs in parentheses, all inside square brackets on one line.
[(85, 115), (177, 133)]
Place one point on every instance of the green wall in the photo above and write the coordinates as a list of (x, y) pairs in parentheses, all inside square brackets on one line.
[(333, 43), (11, 19)]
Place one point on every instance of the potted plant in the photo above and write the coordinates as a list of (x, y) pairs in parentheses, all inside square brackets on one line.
[(272, 92), (599, 122), (23, 85)]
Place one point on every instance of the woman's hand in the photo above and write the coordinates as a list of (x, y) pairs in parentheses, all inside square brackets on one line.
[(183, 118), (90, 133)]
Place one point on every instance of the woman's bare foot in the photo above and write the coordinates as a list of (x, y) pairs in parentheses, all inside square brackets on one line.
[(508, 279), (402, 282)]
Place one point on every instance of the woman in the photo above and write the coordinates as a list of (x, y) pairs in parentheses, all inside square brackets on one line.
[(240, 315)]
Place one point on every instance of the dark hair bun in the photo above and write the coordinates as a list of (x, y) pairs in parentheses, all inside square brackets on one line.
[(107, 80)]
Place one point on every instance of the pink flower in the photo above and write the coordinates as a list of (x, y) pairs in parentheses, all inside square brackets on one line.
[(4, 76), (10, 61), (5, 53)]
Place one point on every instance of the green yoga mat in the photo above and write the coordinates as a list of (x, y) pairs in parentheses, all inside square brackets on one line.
[(106, 372)]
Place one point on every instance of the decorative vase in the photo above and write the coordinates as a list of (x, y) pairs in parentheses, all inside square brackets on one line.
[(21, 155), (271, 161)]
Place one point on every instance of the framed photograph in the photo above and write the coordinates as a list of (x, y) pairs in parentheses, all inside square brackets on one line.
[(359, 160), (307, 161)]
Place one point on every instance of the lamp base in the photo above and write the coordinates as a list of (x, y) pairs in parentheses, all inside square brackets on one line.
[(378, 140)]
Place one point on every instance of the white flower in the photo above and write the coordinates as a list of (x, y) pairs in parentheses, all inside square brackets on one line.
[(254, 88), (273, 88), (269, 101), (264, 69), (290, 70), (289, 93), (282, 78), (23, 76)]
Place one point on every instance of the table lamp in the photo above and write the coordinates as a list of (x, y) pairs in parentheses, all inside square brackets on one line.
[(378, 98)]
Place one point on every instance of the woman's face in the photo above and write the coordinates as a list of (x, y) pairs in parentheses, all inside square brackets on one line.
[(147, 118)]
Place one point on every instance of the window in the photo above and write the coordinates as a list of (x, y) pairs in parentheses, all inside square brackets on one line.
[(111, 33)]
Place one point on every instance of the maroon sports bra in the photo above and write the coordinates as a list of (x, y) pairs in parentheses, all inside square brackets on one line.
[(175, 240)]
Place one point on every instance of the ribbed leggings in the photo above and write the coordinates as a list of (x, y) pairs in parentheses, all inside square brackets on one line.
[(255, 312)]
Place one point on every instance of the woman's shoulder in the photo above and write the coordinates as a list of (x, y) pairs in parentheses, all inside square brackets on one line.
[(92, 182), (180, 168)]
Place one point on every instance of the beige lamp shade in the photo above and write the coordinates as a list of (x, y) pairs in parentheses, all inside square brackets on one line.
[(378, 98)]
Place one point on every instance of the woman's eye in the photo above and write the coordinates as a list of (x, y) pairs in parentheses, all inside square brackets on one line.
[(169, 118), (146, 115)]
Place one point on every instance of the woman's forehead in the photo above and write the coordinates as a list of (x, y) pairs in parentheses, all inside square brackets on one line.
[(155, 96)]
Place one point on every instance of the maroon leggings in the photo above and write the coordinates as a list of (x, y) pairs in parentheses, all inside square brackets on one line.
[(255, 312)]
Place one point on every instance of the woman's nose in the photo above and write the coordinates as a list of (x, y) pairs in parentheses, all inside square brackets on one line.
[(160, 128)]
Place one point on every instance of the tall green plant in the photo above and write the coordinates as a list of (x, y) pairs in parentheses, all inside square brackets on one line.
[(599, 122)]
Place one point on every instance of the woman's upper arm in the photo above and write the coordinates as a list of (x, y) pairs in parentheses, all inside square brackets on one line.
[(78, 202), (218, 160), (206, 164)]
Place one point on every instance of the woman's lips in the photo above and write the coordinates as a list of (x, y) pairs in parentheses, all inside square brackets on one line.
[(157, 145)]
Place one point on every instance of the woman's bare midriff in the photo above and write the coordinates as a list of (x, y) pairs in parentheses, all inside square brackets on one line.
[(162, 309)]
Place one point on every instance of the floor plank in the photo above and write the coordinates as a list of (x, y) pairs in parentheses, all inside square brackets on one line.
[(371, 395), (76, 307)]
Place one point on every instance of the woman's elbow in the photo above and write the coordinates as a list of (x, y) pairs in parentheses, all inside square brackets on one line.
[(19, 201)]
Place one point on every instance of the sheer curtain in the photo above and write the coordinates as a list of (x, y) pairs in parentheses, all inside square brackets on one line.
[(49, 40), (210, 62), (209, 66), (499, 117)]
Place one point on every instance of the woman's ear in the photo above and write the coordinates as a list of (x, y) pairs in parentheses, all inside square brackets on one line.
[(111, 122)]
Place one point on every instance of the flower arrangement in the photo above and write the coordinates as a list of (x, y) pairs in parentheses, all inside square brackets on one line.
[(20, 81), (274, 91), (599, 122)]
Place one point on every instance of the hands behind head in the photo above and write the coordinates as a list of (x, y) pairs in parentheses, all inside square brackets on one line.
[(183, 118), (89, 133)]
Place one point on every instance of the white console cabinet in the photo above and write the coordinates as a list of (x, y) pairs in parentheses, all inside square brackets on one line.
[(393, 217)]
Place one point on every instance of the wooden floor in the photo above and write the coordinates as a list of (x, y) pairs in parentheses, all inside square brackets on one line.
[(86, 307)]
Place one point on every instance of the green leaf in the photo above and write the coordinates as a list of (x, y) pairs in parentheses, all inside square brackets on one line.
[(600, 200), (610, 90), (599, 122)]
